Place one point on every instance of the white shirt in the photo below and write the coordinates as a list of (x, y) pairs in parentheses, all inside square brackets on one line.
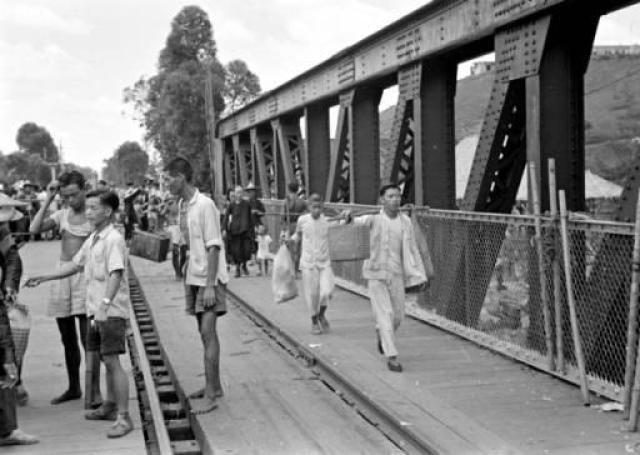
[(315, 241), (203, 225), (102, 253), (395, 245)]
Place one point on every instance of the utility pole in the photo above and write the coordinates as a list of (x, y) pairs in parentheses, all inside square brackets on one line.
[(215, 152)]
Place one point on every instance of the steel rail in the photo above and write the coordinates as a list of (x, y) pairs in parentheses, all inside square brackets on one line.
[(162, 435), (391, 426)]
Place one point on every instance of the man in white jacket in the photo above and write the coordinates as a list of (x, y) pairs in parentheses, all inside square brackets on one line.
[(394, 264)]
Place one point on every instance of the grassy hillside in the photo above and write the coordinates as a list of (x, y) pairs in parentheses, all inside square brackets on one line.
[(612, 100)]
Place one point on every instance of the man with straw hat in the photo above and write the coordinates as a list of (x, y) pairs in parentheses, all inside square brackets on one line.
[(10, 271)]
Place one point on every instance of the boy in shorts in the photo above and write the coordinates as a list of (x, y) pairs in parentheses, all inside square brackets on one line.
[(103, 257)]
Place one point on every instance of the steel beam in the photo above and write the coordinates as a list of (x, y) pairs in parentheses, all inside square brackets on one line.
[(261, 148), (436, 29), (230, 165), (365, 151), (435, 156), (242, 153), (279, 171), (290, 149), (338, 180), (318, 148)]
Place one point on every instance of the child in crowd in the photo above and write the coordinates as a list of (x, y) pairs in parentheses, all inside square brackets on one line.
[(263, 255), (103, 257)]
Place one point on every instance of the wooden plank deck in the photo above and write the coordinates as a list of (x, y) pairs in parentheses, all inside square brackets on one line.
[(61, 429), (498, 404), (271, 405), (452, 391)]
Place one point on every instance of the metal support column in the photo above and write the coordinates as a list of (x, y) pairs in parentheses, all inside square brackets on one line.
[(365, 154), (318, 148), (435, 136), (339, 177), (262, 148)]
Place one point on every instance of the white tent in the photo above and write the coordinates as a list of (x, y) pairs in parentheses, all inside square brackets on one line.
[(595, 186)]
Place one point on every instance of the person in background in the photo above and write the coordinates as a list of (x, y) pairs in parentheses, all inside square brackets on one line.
[(294, 206), (130, 217), (206, 275), (103, 258), (257, 211), (178, 243), (67, 298), (8, 249), (102, 185), (10, 269), (239, 225), (263, 255), (229, 200), (394, 264), (317, 276)]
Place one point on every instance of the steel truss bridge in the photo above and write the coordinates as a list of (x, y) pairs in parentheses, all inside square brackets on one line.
[(535, 112)]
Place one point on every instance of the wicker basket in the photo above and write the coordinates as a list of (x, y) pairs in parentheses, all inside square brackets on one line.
[(349, 242)]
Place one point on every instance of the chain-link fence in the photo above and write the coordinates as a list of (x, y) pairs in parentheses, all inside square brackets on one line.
[(488, 287)]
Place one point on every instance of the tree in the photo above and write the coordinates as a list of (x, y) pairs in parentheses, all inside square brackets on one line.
[(241, 85), (128, 163), (171, 104), (35, 139), (27, 166)]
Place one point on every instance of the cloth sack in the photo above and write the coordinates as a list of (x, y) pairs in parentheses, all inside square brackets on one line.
[(20, 322), (283, 281), (423, 246)]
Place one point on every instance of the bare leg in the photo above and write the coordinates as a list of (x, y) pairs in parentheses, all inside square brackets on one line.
[(213, 388), (117, 383)]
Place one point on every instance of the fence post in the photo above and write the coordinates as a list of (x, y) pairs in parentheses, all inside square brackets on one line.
[(575, 329), (632, 327), (544, 291), (557, 278)]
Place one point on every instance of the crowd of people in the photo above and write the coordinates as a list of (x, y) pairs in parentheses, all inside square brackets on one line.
[(89, 296)]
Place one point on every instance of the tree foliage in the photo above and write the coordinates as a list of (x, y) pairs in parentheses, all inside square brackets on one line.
[(241, 85), (27, 166), (170, 104), (129, 163), (35, 139)]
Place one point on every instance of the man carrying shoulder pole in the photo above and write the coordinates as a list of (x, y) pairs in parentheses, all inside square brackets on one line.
[(394, 264)]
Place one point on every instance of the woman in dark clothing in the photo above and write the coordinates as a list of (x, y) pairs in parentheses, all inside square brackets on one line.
[(10, 272), (239, 228)]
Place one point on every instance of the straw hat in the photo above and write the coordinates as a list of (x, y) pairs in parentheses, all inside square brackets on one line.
[(8, 210)]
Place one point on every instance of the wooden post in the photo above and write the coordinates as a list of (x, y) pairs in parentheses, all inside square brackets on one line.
[(632, 327), (575, 330), (557, 276), (544, 290)]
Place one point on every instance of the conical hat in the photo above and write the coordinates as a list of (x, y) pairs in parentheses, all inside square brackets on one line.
[(6, 201), (9, 213)]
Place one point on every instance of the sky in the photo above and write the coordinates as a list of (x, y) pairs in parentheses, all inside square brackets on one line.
[(65, 63)]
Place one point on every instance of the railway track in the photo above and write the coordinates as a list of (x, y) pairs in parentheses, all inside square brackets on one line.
[(163, 408), (171, 429)]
